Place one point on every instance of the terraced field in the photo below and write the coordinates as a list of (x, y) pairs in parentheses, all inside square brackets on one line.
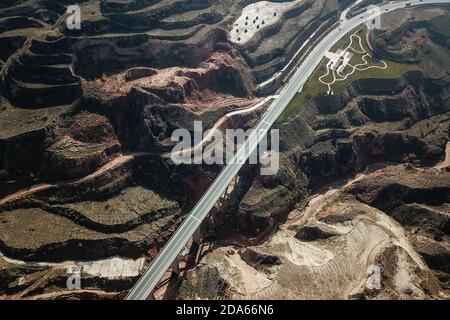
[(86, 118)]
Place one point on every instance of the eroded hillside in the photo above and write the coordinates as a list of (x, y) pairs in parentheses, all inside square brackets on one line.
[(86, 118), (359, 209)]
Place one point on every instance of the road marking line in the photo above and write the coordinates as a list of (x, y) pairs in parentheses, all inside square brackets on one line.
[(196, 219)]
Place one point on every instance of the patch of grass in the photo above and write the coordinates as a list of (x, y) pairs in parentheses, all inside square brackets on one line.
[(294, 228), (441, 24), (314, 87), (129, 204), (188, 289)]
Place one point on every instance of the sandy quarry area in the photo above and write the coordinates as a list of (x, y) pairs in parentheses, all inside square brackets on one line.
[(114, 268), (258, 16), (363, 247), (110, 268)]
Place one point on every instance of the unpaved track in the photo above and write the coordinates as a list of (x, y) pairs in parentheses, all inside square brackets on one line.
[(446, 163), (44, 186), (217, 125), (126, 158)]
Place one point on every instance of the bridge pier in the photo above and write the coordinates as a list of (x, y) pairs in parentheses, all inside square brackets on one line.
[(197, 237), (175, 267), (192, 255)]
